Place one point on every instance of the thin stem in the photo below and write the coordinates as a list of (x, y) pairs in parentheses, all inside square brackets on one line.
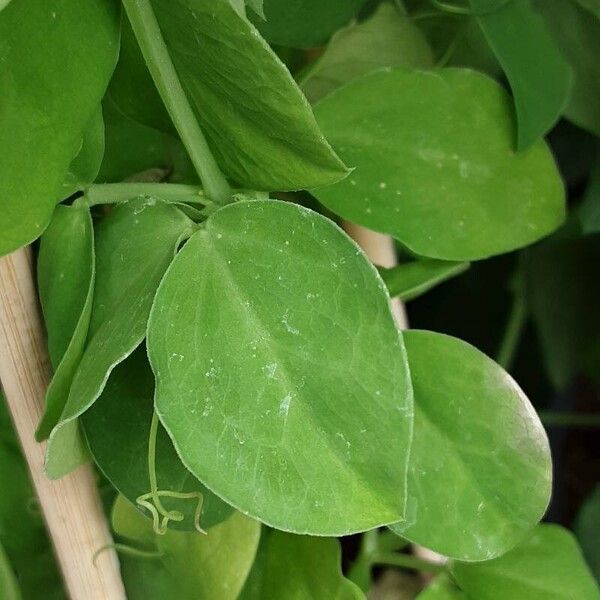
[(149, 37), (514, 329), (558, 419), (109, 193), (408, 562)]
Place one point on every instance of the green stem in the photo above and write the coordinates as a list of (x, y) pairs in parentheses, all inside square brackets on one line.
[(557, 419), (513, 331), (149, 36), (408, 562), (109, 193)]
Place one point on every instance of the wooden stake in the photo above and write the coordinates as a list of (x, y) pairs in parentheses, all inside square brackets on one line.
[(71, 506)]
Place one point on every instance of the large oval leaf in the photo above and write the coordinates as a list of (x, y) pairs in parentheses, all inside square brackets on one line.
[(436, 168), (298, 566), (57, 59), (65, 272), (190, 566), (480, 469), (548, 565), (117, 429), (134, 246), (258, 123), (267, 338)]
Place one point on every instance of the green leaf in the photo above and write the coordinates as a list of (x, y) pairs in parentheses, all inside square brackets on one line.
[(134, 246), (191, 566), (22, 531), (548, 565), (65, 275), (56, 61), (304, 23), (85, 166), (589, 210), (587, 530), (441, 588), (277, 386), (258, 124), (563, 288), (591, 5), (387, 39), (411, 280), (294, 566), (131, 88), (577, 34), (117, 429), (9, 588), (538, 74), (480, 469), (436, 168)]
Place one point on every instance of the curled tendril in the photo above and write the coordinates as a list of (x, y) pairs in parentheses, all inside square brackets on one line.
[(463, 9), (151, 501), (130, 550)]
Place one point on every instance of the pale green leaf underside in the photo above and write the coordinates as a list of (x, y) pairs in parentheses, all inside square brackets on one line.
[(436, 168), (51, 86), (65, 275), (298, 567), (134, 246), (277, 400), (259, 125), (480, 470), (387, 39), (548, 565), (191, 566), (117, 429)]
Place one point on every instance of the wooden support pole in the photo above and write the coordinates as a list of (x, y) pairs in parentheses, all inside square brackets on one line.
[(71, 506)]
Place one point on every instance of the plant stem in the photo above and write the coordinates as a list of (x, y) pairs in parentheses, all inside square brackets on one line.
[(408, 562), (156, 54), (557, 419), (513, 331), (109, 193)]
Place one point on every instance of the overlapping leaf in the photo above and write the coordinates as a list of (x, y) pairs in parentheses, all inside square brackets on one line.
[(436, 168), (134, 246), (539, 76), (117, 429), (480, 470), (52, 83), (277, 400), (547, 565), (294, 566), (187, 566)]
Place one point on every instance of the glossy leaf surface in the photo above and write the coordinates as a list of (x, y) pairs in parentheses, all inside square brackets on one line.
[(548, 565), (117, 429), (134, 245), (191, 566), (480, 470), (259, 125), (410, 280), (294, 566), (388, 39), (52, 84), (436, 168), (539, 76), (304, 23), (65, 271), (270, 399), (441, 588)]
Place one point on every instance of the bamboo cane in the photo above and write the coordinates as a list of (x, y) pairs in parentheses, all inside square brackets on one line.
[(71, 506)]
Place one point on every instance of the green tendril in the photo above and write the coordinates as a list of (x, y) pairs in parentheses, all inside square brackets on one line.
[(151, 501), (129, 550)]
